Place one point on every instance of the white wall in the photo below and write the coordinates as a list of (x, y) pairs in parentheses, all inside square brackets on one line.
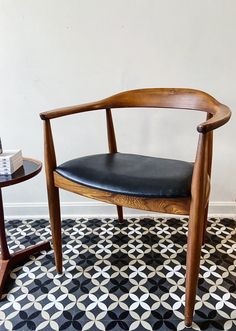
[(55, 53)]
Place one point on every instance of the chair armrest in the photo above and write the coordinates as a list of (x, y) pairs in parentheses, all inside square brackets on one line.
[(220, 116), (71, 110)]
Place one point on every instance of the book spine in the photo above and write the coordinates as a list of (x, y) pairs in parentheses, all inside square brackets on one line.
[(4, 170), (10, 171), (10, 161)]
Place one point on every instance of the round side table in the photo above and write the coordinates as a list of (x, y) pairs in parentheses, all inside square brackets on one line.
[(29, 169)]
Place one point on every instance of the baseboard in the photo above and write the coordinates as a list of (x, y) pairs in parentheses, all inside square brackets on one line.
[(222, 208), (95, 208)]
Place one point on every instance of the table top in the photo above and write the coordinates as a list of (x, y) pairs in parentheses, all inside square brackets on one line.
[(29, 169)]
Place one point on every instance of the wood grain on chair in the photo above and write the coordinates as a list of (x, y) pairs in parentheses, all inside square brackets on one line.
[(195, 205)]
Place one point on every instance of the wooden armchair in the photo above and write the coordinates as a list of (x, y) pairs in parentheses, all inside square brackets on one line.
[(135, 181)]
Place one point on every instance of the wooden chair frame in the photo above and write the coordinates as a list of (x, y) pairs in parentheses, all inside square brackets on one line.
[(195, 206)]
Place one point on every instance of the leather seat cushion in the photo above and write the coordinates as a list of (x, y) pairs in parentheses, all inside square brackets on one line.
[(131, 174)]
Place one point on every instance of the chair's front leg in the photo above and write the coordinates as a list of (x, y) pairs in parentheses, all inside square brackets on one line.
[(195, 233), (195, 228), (205, 224), (53, 195), (55, 221), (209, 143)]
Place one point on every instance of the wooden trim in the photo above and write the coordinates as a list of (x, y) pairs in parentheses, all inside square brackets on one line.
[(208, 137), (208, 161), (113, 149), (196, 226), (201, 179), (111, 132), (5, 255), (207, 190), (49, 151), (178, 206), (178, 98), (209, 148), (220, 115), (53, 195)]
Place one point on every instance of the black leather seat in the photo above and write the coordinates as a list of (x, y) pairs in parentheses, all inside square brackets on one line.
[(131, 174)]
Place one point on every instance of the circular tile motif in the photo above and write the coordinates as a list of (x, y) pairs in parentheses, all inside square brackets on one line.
[(127, 276)]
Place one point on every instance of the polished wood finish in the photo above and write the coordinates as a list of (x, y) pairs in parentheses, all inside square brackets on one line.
[(120, 214), (113, 149), (8, 261), (196, 227), (5, 255), (178, 98), (208, 170), (111, 132), (53, 195), (196, 205), (29, 169), (178, 206)]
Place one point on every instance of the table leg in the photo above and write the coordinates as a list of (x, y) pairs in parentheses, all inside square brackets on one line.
[(5, 255), (9, 261)]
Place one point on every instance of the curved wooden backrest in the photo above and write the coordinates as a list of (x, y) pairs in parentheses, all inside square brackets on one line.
[(179, 98), (162, 98)]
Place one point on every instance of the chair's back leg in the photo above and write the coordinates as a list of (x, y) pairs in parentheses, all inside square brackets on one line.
[(120, 214), (113, 149), (195, 229), (53, 195)]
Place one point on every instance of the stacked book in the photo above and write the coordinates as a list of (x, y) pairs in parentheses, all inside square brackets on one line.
[(10, 161)]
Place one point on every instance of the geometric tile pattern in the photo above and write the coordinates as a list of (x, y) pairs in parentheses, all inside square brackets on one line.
[(116, 276)]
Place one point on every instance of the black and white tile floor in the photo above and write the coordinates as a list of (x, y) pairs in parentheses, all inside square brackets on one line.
[(120, 277)]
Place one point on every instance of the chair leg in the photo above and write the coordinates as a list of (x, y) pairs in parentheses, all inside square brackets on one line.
[(55, 220), (120, 214), (195, 233), (205, 224)]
